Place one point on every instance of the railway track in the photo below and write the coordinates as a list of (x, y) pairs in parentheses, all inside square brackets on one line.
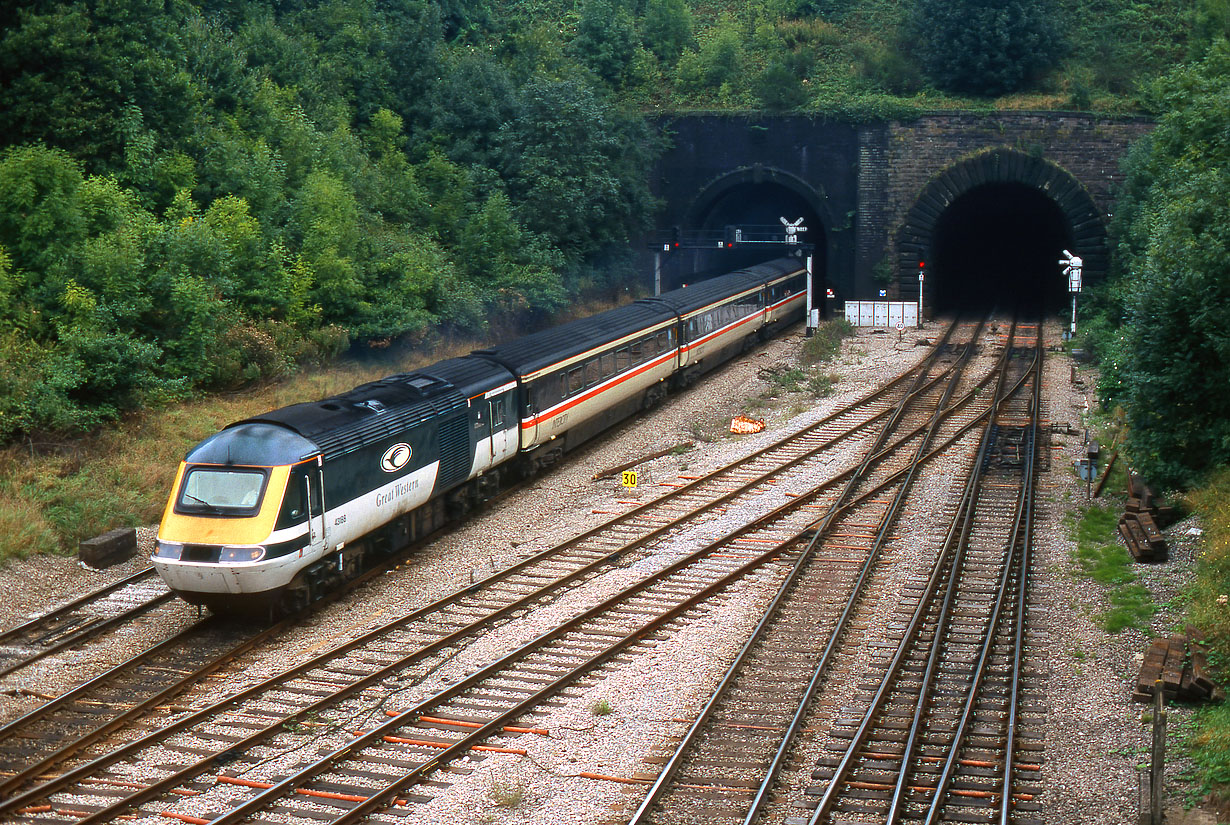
[(725, 769), (967, 751), (87, 778), (112, 607), (75, 623)]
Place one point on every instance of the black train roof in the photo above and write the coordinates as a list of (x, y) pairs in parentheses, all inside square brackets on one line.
[(367, 414), (471, 376), (699, 295), (542, 349)]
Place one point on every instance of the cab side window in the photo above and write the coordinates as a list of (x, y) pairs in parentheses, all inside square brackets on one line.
[(294, 503)]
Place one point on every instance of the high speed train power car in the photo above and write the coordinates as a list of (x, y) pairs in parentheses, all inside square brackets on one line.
[(275, 510)]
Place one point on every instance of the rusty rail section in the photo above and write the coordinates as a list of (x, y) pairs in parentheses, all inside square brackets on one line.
[(90, 775)]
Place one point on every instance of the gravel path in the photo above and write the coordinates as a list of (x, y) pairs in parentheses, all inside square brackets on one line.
[(610, 723)]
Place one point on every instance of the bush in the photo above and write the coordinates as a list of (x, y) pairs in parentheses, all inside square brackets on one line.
[(1170, 363), (667, 29), (825, 342), (778, 88), (986, 49)]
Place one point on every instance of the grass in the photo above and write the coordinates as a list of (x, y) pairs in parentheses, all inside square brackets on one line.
[(601, 708), (825, 342), (1209, 610), (1100, 557), (1208, 747), (54, 494), (506, 793)]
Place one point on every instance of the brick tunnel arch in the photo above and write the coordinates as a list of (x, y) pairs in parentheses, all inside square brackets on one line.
[(758, 195), (999, 202)]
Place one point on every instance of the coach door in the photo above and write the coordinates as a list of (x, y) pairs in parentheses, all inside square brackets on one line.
[(315, 506), (503, 432)]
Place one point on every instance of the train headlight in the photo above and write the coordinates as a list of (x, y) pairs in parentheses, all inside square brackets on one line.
[(167, 550), (241, 554)]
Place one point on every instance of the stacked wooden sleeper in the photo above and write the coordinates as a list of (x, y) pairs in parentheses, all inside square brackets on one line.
[(1180, 663), (1142, 523)]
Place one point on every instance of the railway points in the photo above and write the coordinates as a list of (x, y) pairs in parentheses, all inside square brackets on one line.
[(428, 730)]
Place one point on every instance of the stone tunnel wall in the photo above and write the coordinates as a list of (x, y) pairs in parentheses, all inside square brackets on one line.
[(865, 179), (898, 161)]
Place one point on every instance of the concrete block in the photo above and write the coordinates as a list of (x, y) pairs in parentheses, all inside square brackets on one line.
[(110, 548)]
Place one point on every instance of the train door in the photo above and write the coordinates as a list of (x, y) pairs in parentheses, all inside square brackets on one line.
[(484, 449), (503, 433), (315, 507)]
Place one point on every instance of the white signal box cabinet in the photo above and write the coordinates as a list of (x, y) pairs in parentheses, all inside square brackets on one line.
[(888, 314)]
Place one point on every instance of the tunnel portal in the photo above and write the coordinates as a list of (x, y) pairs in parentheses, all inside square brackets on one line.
[(739, 202), (998, 245)]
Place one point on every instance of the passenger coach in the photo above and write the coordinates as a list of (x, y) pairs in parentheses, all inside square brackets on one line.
[(279, 508)]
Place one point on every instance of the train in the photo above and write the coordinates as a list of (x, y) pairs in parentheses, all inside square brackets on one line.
[(274, 511)]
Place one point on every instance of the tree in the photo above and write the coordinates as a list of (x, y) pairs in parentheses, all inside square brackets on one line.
[(985, 47), (606, 39), (575, 168), (719, 61), (71, 69), (778, 88), (1170, 364), (667, 28)]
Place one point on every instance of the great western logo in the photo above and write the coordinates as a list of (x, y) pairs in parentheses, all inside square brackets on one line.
[(395, 457), (399, 489)]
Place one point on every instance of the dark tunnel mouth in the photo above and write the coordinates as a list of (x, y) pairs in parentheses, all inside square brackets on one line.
[(745, 204), (998, 246)]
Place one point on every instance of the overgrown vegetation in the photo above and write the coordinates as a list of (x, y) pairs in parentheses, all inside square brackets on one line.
[(825, 342), (1102, 558), (197, 195), (1165, 354), (1160, 330), (1209, 609)]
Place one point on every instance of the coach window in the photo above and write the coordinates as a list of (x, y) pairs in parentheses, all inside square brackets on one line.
[(497, 413), (636, 352), (592, 373), (664, 341), (576, 379), (607, 363)]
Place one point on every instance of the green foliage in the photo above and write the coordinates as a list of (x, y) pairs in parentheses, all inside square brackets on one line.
[(1209, 746), (1100, 557), (575, 168), (825, 342), (778, 89), (1169, 361), (606, 39), (985, 48), (1208, 607), (718, 63), (667, 29), (1133, 42)]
